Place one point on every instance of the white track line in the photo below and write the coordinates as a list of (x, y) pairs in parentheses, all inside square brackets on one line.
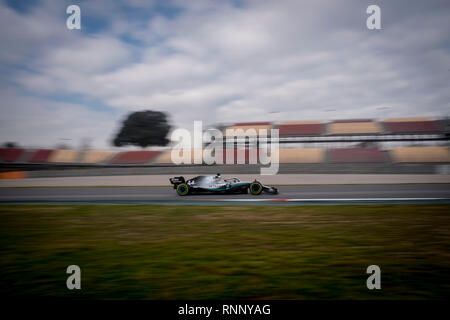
[(339, 199)]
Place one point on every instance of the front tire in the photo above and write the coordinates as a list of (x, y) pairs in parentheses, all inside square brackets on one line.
[(182, 189), (256, 188)]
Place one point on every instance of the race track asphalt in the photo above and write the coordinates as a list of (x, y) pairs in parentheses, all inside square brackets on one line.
[(307, 194)]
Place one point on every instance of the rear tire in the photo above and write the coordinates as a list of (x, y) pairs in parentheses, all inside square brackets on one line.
[(182, 189), (256, 188)]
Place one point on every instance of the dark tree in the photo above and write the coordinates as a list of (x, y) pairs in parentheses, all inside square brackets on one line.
[(10, 145), (144, 128)]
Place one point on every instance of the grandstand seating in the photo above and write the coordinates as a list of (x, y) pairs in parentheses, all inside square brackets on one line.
[(165, 157), (10, 154), (240, 124), (64, 156), (348, 155), (40, 156), (420, 154), (353, 127), (297, 137), (26, 155), (258, 126), (352, 120), (134, 157), (93, 156), (287, 123), (413, 127), (417, 154), (300, 128), (234, 154), (302, 155), (416, 119)]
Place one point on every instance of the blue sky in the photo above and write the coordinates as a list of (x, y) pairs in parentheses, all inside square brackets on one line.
[(216, 61)]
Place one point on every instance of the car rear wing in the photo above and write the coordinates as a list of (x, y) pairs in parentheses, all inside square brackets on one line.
[(176, 181)]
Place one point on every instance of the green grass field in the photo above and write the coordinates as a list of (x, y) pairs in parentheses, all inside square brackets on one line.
[(218, 252)]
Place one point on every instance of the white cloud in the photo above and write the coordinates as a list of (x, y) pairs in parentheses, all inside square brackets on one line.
[(37, 122), (213, 61)]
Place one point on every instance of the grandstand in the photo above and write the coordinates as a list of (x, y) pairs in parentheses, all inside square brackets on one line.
[(304, 155), (97, 156), (41, 156), (358, 127), (231, 156), (421, 154), (134, 157), (402, 127), (165, 157), (256, 126), (395, 141), (352, 155), (355, 132), (300, 128), (10, 154), (64, 156)]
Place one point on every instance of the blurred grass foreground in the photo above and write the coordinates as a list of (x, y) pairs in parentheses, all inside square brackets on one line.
[(217, 252)]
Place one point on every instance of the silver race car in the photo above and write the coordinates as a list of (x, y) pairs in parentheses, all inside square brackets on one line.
[(215, 184)]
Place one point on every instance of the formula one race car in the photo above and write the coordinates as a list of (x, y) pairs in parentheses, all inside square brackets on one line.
[(215, 184)]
